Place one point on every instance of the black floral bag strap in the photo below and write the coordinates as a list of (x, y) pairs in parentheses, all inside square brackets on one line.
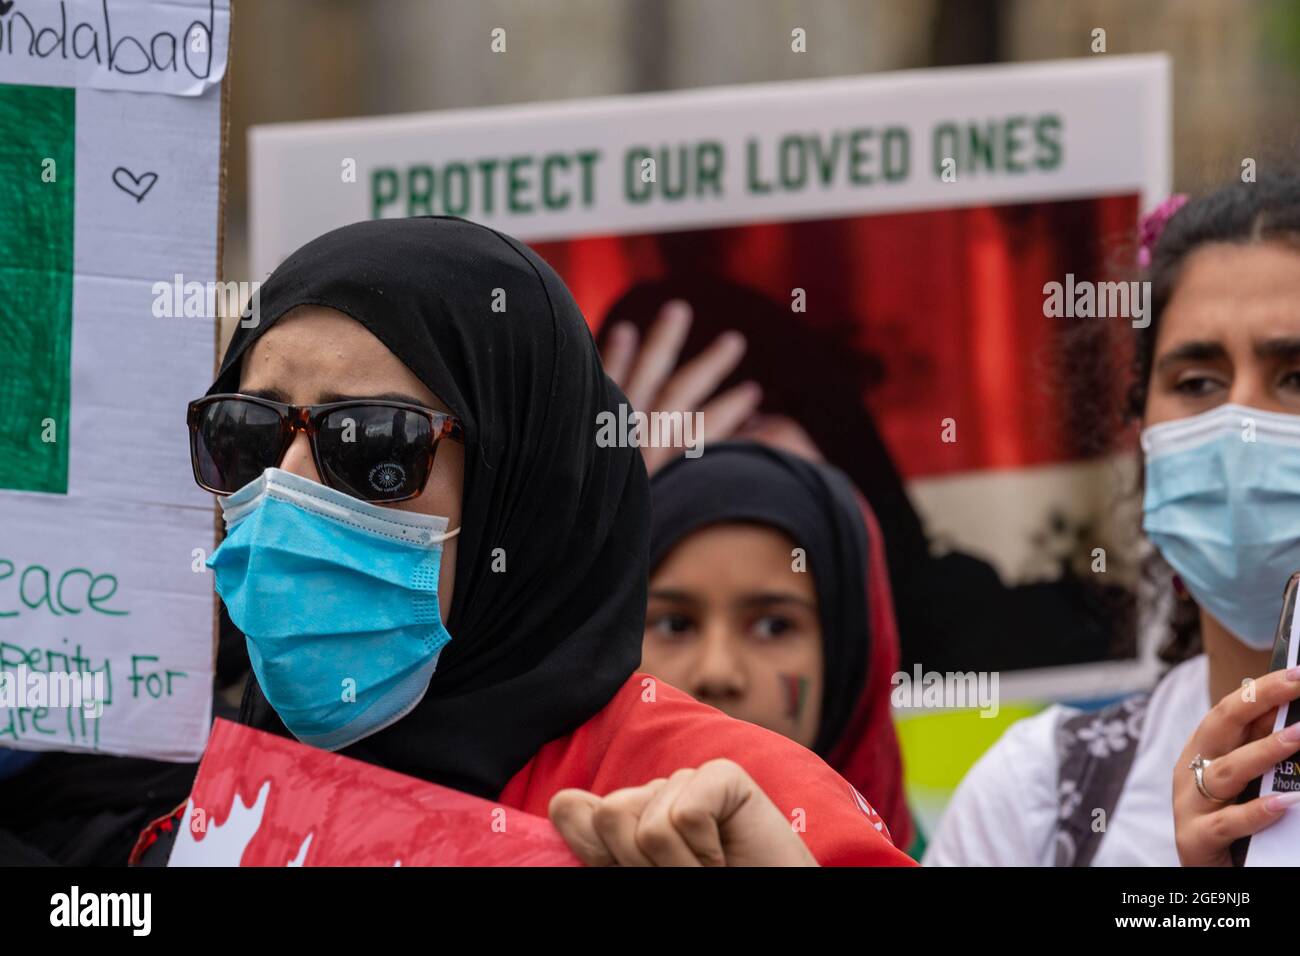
[(1095, 752)]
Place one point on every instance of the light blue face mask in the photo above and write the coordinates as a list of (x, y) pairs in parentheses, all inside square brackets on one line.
[(339, 601), (1223, 506)]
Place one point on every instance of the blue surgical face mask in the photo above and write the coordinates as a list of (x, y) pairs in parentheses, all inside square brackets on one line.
[(1223, 506), (339, 601)]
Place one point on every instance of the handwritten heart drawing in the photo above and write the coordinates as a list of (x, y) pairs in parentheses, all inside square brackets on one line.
[(133, 185), (6, 7)]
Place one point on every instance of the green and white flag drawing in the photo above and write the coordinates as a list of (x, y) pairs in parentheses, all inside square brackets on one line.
[(110, 160)]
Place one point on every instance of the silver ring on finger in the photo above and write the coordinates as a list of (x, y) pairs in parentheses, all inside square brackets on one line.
[(1197, 767)]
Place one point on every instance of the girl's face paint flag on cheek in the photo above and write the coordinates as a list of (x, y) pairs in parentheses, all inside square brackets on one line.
[(263, 800), (796, 693)]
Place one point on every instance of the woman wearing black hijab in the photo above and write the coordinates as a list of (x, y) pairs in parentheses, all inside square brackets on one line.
[(405, 438), (769, 599)]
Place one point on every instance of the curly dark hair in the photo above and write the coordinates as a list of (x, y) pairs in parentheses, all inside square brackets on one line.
[(1240, 212)]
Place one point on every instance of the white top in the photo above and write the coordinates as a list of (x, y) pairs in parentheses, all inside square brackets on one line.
[(1004, 812)]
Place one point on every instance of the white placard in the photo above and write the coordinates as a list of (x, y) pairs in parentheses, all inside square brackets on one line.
[(178, 47), (101, 564), (307, 178)]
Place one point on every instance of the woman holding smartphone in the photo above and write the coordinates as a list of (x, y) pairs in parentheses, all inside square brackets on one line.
[(1217, 393)]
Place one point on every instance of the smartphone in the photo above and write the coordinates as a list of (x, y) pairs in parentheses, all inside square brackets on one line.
[(1284, 776)]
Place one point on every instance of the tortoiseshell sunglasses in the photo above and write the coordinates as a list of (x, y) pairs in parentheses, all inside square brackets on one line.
[(372, 449)]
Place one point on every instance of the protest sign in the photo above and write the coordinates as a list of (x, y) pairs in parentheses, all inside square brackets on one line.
[(263, 800), (112, 159), (909, 256)]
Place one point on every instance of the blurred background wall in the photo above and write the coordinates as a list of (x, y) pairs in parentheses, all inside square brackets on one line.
[(1236, 62)]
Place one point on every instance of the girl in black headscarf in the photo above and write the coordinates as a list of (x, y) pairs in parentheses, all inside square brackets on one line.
[(417, 503), (769, 599)]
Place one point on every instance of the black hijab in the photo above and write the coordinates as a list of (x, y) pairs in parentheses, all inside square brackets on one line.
[(538, 649), (817, 507)]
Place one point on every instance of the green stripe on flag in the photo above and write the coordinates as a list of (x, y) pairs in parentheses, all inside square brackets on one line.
[(38, 127)]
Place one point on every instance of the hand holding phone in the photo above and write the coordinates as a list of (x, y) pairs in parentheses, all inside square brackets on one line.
[(1279, 845), (1220, 810)]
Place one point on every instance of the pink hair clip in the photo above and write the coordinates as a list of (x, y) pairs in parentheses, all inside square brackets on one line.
[(1153, 224)]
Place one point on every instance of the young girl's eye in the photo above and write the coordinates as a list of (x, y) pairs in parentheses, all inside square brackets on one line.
[(669, 625), (772, 626), (1291, 380)]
